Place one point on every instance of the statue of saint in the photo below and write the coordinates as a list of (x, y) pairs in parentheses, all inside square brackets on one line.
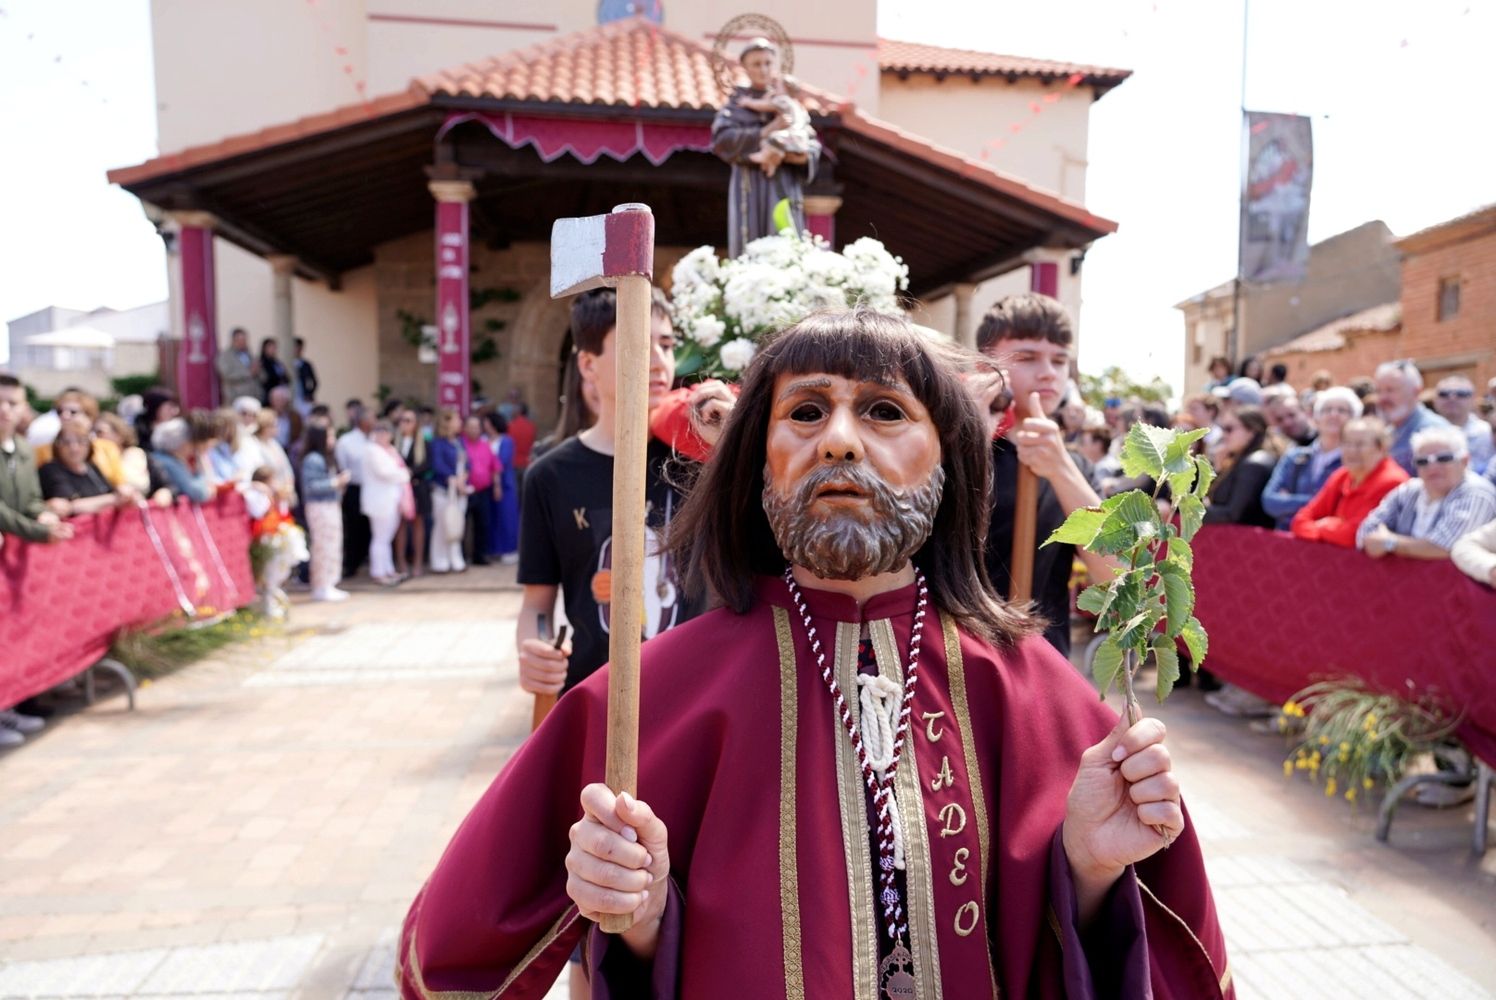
[(764, 133)]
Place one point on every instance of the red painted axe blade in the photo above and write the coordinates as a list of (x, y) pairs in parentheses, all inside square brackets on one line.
[(596, 251)]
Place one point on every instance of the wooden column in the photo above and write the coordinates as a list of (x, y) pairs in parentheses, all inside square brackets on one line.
[(820, 215)]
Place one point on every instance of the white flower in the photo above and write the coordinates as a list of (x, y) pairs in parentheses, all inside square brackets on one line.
[(736, 354), (697, 267), (707, 331)]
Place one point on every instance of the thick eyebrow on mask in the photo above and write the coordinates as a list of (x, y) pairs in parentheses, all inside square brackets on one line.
[(893, 383), (803, 385)]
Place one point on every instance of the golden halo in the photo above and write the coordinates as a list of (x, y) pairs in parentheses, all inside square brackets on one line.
[(752, 25)]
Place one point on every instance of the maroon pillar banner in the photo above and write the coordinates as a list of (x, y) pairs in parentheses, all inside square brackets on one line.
[(453, 379), (197, 381), (823, 226)]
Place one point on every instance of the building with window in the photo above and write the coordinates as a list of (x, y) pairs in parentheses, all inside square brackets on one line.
[(1444, 318), (1350, 272)]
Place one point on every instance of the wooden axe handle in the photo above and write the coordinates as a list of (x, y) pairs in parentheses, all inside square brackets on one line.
[(626, 612), (1025, 524)]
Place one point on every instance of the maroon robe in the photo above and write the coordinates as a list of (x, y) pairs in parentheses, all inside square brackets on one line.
[(773, 887)]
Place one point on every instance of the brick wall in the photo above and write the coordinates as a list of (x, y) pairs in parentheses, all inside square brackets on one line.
[(1465, 343), (1364, 350)]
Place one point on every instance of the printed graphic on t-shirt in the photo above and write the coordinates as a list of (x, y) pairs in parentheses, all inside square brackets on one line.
[(661, 593)]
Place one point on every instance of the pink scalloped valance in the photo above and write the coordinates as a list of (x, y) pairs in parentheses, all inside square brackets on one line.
[(586, 140)]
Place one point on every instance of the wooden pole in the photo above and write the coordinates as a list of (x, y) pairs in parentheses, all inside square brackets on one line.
[(543, 705), (626, 614), (1025, 523)]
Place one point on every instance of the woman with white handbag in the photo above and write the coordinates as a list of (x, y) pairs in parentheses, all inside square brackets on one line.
[(449, 495)]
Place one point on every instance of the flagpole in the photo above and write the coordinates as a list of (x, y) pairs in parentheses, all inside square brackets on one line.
[(1233, 344)]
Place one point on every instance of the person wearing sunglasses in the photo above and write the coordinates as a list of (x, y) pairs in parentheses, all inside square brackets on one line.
[(1424, 517), (1454, 399)]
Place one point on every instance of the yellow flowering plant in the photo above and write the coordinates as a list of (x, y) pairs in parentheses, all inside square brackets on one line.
[(1351, 736)]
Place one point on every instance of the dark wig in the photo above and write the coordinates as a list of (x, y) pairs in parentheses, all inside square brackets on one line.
[(721, 535)]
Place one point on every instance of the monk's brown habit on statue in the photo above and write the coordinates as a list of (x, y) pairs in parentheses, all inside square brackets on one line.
[(773, 883), (751, 195)]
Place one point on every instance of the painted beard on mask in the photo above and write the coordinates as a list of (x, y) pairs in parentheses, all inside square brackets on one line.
[(852, 543)]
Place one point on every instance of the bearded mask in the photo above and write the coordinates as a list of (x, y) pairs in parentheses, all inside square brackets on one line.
[(851, 542)]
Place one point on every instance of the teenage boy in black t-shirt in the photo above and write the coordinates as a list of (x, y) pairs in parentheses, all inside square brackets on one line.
[(1029, 335), (567, 517)]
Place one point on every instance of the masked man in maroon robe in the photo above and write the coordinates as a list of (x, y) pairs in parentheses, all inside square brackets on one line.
[(862, 776)]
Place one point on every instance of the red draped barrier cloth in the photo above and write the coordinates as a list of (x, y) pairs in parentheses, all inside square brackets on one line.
[(62, 605), (1284, 613)]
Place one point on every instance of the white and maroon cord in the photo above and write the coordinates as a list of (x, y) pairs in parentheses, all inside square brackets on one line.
[(880, 786)]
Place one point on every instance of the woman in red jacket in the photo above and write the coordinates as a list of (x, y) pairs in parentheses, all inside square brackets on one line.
[(1353, 491)]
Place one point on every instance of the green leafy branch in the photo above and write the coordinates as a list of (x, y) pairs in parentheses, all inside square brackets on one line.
[(1150, 603)]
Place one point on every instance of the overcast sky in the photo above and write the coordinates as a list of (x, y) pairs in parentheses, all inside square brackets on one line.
[(1398, 93)]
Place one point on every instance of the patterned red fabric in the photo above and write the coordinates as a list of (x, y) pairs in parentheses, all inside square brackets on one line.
[(62, 605), (1284, 613)]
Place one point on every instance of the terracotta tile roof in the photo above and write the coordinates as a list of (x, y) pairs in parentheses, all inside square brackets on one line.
[(1463, 227), (911, 57), (1334, 334), (627, 63), (301, 128), (631, 63)]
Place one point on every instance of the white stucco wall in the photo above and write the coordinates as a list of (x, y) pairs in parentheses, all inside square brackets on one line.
[(340, 329), (1050, 150), (225, 68)]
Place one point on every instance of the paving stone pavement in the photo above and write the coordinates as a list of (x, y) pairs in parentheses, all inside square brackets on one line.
[(258, 826)]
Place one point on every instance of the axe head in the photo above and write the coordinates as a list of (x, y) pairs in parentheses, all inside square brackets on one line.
[(596, 251)]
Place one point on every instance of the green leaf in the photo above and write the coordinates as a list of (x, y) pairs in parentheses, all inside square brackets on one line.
[(1191, 516), (1179, 595), (1134, 634), (1207, 476), (1080, 528), (1106, 665), (1132, 517), (1167, 659), (1143, 451), (1180, 482), (688, 360), (1196, 641), (1181, 555), (1177, 457), (1117, 536), (1096, 598)]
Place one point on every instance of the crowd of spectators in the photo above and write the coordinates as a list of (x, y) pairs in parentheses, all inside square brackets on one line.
[(1382, 465), (364, 493)]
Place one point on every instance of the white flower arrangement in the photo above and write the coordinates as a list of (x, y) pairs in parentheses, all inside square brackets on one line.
[(724, 309)]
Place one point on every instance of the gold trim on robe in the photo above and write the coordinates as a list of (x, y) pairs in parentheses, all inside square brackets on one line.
[(789, 872), (852, 792), (955, 668), (1224, 980), (918, 867), (567, 918)]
